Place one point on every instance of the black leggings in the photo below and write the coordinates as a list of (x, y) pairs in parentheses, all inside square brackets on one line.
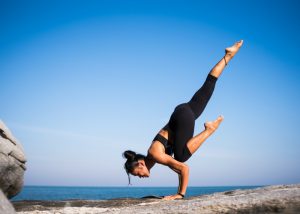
[(182, 121)]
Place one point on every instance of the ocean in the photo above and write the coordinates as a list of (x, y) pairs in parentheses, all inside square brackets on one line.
[(103, 193)]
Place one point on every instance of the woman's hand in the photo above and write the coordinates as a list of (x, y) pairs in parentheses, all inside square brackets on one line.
[(172, 197), (180, 168)]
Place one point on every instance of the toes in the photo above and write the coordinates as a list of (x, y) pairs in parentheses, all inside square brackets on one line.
[(220, 118), (239, 43)]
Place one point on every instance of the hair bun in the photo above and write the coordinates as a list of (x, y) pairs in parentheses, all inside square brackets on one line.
[(130, 155)]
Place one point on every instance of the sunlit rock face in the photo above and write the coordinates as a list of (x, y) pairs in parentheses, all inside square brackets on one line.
[(12, 163)]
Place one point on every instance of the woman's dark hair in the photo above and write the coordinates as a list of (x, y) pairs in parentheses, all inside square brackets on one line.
[(132, 160)]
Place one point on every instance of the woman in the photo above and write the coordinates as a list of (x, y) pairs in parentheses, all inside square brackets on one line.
[(176, 138)]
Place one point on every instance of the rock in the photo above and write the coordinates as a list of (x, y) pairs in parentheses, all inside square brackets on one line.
[(12, 163), (5, 205), (269, 199)]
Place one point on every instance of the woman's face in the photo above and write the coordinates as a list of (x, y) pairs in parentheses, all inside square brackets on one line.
[(141, 170)]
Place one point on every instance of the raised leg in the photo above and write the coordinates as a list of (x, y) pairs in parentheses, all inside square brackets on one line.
[(202, 96), (217, 70)]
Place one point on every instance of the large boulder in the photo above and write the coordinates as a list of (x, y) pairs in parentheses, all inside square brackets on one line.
[(5, 205), (12, 163)]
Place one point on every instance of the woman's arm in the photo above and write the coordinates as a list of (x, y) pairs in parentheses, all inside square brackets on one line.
[(180, 168)]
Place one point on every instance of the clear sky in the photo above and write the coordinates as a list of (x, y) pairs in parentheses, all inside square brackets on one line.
[(82, 81)]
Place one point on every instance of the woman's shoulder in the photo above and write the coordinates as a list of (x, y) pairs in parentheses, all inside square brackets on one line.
[(156, 148)]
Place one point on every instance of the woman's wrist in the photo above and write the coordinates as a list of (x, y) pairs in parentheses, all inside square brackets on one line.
[(182, 195)]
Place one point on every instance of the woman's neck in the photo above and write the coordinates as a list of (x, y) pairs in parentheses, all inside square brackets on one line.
[(149, 162)]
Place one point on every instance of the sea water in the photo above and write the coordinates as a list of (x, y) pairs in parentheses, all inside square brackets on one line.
[(103, 193)]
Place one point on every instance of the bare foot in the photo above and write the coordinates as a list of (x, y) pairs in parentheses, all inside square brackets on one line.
[(231, 51), (212, 126)]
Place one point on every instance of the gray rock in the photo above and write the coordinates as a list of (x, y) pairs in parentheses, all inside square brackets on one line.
[(265, 200), (5, 205), (12, 163)]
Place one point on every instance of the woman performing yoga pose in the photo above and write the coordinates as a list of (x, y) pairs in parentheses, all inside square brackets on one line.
[(176, 138)]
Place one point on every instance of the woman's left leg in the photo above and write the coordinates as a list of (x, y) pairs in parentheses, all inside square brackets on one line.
[(181, 125)]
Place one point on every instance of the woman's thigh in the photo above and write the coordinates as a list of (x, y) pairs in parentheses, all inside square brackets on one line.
[(182, 123)]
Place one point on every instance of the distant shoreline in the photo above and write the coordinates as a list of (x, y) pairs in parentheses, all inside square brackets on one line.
[(276, 199)]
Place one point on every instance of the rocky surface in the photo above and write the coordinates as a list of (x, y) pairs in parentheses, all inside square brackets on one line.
[(5, 205), (12, 163), (270, 199)]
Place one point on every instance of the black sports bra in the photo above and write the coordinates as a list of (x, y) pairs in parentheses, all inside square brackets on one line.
[(164, 141)]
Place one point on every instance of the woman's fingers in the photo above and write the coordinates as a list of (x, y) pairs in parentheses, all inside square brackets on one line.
[(172, 197)]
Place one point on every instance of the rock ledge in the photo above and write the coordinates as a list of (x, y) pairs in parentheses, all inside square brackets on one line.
[(269, 199)]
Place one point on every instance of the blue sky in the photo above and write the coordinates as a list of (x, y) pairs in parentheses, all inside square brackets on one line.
[(82, 81)]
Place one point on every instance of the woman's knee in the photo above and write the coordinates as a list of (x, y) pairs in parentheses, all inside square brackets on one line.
[(184, 156)]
